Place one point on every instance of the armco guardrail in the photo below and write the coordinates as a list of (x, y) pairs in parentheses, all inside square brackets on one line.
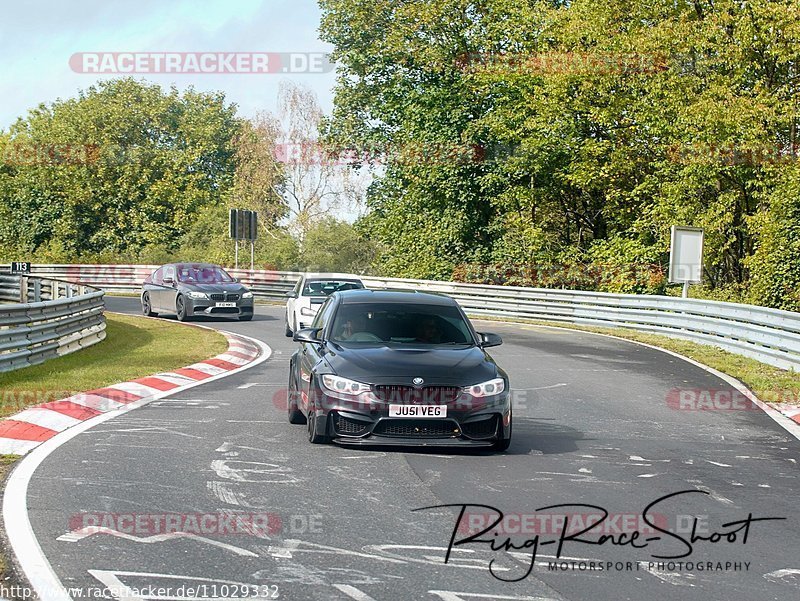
[(45, 318), (769, 335), (129, 278)]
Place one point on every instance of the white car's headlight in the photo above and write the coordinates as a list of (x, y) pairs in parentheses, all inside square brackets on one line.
[(343, 385), (198, 295), (490, 388), (308, 312), (247, 294)]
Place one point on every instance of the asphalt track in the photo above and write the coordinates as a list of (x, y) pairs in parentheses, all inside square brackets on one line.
[(595, 422)]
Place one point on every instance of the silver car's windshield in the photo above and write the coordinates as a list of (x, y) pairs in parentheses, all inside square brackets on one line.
[(203, 274)]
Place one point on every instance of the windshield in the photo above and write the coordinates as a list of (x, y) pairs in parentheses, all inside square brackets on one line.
[(203, 274), (400, 324), (322, 288)]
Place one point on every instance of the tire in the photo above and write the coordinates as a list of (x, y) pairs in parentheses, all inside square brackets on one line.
[(295, 415), (314, 437), (180, 309), (503, 444), (147, 307), (287, 329), (246, 317)]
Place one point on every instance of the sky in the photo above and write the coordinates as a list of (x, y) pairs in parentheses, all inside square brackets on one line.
[(37, 40)]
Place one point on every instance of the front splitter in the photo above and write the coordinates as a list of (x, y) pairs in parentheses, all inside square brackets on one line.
[(388, 441)]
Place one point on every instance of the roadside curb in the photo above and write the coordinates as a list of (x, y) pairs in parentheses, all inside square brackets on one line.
[(790, 411), (29, 560), (24, 431)]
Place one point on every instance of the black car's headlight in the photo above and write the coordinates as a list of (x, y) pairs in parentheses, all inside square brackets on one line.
[(196, 295), (340, 385), (247, 294), (488, 388)]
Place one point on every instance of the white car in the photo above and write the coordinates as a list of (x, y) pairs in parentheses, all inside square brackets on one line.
[(308, 295)]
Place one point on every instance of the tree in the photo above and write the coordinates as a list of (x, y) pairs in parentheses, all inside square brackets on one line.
[(259, 177), (624, 118), (309, 173), (123, 166), (333, 245)]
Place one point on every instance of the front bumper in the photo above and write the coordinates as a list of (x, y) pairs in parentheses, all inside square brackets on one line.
[(202, 306), (469, 422)]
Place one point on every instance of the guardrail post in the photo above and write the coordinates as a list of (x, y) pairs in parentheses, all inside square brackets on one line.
[(37, 290), (23, 289)]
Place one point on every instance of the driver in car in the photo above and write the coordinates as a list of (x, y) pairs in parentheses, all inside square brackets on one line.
[(351, 327)]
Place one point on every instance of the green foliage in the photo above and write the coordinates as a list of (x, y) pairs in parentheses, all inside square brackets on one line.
[(128, 172), (122, 167), (622, 119), (334, 246), (775, 265)]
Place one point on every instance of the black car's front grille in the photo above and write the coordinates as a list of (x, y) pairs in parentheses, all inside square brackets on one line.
[(349, 426), (484, 428), (224, 297), (433, 395), (417, 428)]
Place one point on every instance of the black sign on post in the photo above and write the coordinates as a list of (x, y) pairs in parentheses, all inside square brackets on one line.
[(243, 224), (232, 220), (240, 225), (253, 226), (20, 268)]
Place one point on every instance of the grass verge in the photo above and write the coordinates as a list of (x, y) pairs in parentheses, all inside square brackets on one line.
[(134, 347), (770, 384)]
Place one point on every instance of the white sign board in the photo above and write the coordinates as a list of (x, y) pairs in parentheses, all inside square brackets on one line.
[(685, 255)]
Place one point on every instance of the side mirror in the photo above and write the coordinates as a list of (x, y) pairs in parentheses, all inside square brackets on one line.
[(488, 339), (291, 294), (168, 281), (308, 335)]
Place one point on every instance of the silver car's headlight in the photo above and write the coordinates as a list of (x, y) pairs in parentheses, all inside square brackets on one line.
[(247, 295), (343, 385), (197, 295), (489, 388), (307, 311)]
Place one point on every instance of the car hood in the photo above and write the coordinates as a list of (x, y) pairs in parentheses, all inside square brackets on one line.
[(233, 287), (460, 366)]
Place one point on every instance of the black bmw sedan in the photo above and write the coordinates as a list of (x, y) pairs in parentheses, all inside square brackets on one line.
[(398, 368)]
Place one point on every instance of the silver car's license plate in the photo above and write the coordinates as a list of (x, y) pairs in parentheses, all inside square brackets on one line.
[(418, 411), (226, 304)]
